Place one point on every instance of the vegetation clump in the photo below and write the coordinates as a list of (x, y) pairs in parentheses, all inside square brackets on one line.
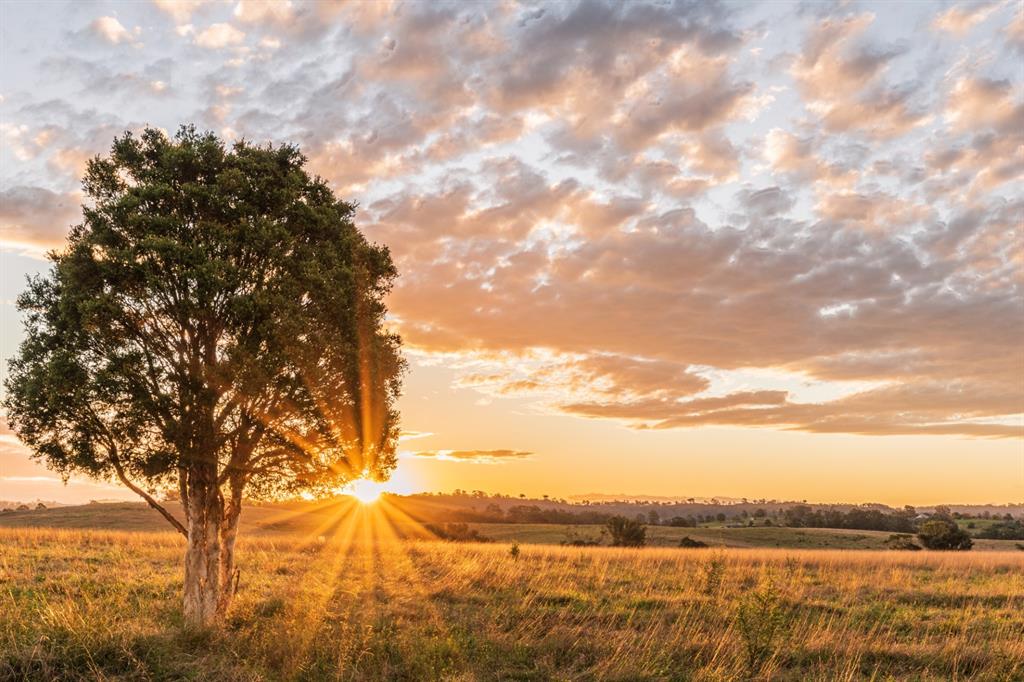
[(1012, 529), (714, 572), (902, 541), (762, 621), (687, 541), (457, 532), (626, 532), (944, 534)]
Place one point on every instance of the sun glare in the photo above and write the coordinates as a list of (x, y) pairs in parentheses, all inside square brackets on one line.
[(365, 490)]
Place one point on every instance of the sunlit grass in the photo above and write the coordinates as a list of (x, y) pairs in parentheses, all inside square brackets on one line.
[(363, 601)]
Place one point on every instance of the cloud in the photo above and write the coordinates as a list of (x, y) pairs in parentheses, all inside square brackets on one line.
[(982, 102), (217, 36), (412, 435), (255, 11), (959, 19), (1014, 31), (111, 30), (843, 81), (180, 10), (36, 218), (658, 213), (474, 456)]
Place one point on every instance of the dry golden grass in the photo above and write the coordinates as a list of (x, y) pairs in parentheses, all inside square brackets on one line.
[(365, 605)]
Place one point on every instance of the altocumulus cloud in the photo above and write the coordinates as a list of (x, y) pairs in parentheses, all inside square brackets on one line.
[(658, 213)]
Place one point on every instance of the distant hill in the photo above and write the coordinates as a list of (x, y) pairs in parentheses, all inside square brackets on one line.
[(14, 504), (314, 519)]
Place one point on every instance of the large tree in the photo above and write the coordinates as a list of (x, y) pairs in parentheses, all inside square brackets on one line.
[(214, 325)]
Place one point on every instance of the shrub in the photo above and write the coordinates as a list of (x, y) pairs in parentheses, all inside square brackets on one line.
[(574, 539), (460, 532), (687, 541), (944, 534), (626, 532), (902, 541), (761, 619), (714, 571)]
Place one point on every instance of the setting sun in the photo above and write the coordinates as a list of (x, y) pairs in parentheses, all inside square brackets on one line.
[(365, 490)]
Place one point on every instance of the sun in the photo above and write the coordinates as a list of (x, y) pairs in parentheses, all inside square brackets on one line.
[(365, 490)]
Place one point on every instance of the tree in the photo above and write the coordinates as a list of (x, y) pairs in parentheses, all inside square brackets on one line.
[(943, 533), (626, 532), (215, 324)]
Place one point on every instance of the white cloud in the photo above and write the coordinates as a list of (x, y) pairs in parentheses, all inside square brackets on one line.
[(263, 11), (111, 30), (219, 36), (180, 10)]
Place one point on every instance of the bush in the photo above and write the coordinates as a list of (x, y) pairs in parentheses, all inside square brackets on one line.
[(762, 620), (944, 534), (902, 541), (626, 532), (714, 572), (574, 539), (459, 532), (687, 541)]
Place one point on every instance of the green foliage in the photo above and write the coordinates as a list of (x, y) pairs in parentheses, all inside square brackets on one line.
[(626, 532), (687, 541), (902, 541), (218, 311), (804, 516), (460, 532), (714, 572), (1004, 530), (574, 538), (944, 534), (762, 621), (514, 551)]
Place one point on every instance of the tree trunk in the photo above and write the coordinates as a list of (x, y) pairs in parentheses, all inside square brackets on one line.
[(228, 533), (202, 558)]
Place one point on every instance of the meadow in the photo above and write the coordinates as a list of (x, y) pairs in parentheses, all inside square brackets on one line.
[(369, 602)]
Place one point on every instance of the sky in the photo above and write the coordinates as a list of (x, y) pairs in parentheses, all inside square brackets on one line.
[(763, 250)]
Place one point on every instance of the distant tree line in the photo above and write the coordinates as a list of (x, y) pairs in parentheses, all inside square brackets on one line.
[(804, 516), (1012, 529)]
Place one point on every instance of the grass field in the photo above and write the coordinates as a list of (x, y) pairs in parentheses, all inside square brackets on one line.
[(361, 604)]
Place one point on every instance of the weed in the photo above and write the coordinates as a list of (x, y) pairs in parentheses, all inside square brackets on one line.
[(762, 621), (714, 572)]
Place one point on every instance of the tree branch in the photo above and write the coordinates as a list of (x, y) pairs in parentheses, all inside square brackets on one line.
[(146, 496)]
